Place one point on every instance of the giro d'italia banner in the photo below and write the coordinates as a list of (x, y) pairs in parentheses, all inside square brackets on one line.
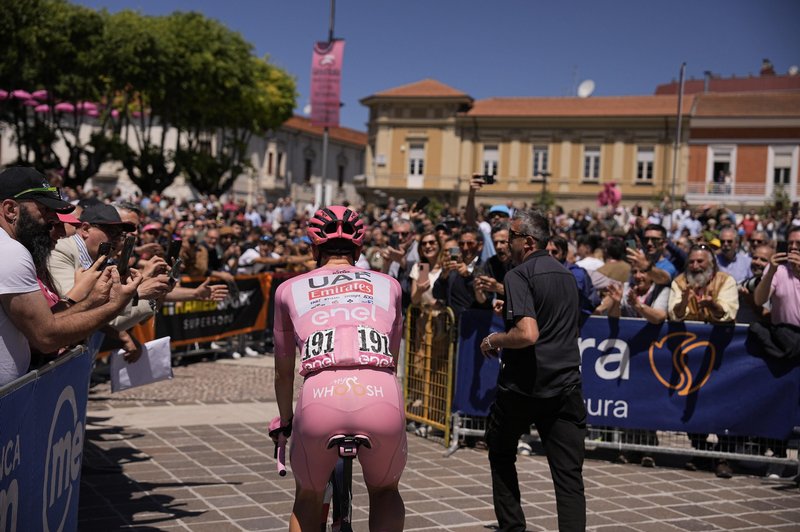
[(243, 311), (42, 420), (689, 377), (326, 78)]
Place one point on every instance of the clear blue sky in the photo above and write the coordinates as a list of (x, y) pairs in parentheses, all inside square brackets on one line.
[(508, 47)]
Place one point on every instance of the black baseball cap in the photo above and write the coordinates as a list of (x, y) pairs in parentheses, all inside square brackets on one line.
[(25, 183), (103, 214)]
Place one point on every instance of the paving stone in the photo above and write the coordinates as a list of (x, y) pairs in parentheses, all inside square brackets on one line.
[(222, 477)]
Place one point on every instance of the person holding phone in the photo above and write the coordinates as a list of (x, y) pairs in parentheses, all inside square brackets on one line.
[(455, 286), (425, 273), (780, 285)]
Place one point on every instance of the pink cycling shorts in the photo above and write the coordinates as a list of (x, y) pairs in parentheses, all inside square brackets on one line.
[(349, 401)]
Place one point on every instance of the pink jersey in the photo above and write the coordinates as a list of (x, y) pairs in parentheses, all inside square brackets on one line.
[(339, 317)]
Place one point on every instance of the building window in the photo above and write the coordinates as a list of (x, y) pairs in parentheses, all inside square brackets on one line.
[(416, 159), (644, 165), (782, 167), (340, 175), (307, 174), (591, 163), (279, 165), (490, 160), (541, 163), (721, 178), (269, 163)]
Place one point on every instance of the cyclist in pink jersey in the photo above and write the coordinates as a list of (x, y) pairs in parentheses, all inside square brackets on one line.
[(347, 324)]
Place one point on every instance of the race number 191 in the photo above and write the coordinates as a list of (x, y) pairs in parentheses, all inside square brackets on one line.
[(319, 343), (372, 341)]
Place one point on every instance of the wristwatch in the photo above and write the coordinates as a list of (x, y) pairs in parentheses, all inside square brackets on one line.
[(68, 301)]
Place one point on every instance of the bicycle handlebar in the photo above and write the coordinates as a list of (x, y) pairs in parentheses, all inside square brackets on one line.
[(280, 454)]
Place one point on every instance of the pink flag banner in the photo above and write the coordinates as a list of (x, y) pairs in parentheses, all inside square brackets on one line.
[(326, 76)]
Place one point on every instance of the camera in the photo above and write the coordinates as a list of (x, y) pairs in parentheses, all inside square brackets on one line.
[(489, 179)]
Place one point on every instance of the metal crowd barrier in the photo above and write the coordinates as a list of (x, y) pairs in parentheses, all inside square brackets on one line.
[(748, 450), (429, 366)]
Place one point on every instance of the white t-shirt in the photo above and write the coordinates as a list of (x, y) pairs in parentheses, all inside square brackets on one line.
[(590, 264), (17, 276), (433, 275)]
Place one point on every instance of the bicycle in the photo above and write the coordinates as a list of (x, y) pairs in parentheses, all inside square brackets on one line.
[(342, 502)]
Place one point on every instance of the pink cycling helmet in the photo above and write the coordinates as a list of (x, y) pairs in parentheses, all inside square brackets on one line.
[(336, 222)]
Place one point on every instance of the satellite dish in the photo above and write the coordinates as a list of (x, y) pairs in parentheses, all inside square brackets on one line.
[(585, 89), (307, 109)]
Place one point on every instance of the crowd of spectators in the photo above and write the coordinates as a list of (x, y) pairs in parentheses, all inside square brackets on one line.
[(656, 262)]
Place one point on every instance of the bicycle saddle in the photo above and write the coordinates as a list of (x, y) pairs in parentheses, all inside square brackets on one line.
[(349, 444)]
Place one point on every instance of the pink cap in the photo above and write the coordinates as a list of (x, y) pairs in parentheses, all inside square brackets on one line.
[(68, 219), (151, 227)]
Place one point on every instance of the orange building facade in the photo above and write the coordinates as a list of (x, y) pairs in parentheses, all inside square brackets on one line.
[(427, 138)]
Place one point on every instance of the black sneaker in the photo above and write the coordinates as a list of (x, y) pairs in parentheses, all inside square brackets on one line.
[(723, 470)]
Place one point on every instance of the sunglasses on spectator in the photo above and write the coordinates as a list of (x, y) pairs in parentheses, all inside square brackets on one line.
[(757, 241), (653, 239), (113, 233), (727, 241), (514, 234), (705, 247), (428, 243), (402, 233)]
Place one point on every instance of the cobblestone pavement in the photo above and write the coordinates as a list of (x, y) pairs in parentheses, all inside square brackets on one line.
[(222, 477)]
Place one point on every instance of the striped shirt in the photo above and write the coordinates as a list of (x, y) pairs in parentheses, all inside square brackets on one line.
[(83, 252)]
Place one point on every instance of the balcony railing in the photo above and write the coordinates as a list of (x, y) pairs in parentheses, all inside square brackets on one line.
[(736, 189)]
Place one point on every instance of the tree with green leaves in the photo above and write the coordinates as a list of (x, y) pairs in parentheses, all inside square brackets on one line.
[(180, 94)]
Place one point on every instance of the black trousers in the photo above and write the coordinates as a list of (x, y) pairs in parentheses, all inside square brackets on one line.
[(561, 422)]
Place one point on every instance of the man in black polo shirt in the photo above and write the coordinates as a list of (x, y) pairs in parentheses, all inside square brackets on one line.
[(540, 380)]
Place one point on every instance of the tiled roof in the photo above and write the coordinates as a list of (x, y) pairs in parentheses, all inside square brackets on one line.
[(342, 134), (580, 107), (750, 84), (427, 88), (749, 104)]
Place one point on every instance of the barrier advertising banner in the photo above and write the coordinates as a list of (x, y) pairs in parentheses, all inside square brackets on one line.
[(41, 447), (243, 311), (688, 377), (326, 77)]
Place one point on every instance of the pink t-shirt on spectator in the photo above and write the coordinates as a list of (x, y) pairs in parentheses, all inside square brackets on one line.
[(51, 297), (785, 297)]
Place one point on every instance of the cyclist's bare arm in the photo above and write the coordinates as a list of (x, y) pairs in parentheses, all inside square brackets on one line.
[(284, 342), (397, 328)]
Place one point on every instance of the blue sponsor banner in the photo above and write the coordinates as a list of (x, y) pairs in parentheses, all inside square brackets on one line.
[(42, 419), (688, 377)]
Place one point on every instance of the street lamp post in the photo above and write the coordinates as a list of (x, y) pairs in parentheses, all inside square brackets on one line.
[(544, 175)]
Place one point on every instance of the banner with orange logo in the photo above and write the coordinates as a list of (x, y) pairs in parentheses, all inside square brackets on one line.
[(687, 377)]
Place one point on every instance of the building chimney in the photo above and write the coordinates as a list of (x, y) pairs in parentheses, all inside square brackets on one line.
[(706, 80)]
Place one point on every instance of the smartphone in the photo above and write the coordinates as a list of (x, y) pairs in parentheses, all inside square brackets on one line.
[(630, 243), (174, 250), (489, 179), (422, 203), (394, 241), (175, 272), (782, 246), (125, 256), (424, 271), (104, 249), (455, 253)]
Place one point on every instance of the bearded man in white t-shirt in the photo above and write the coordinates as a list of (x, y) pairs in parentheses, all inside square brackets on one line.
[(29, 208)]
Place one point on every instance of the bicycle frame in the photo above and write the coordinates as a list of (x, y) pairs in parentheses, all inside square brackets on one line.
[(348, 445)]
